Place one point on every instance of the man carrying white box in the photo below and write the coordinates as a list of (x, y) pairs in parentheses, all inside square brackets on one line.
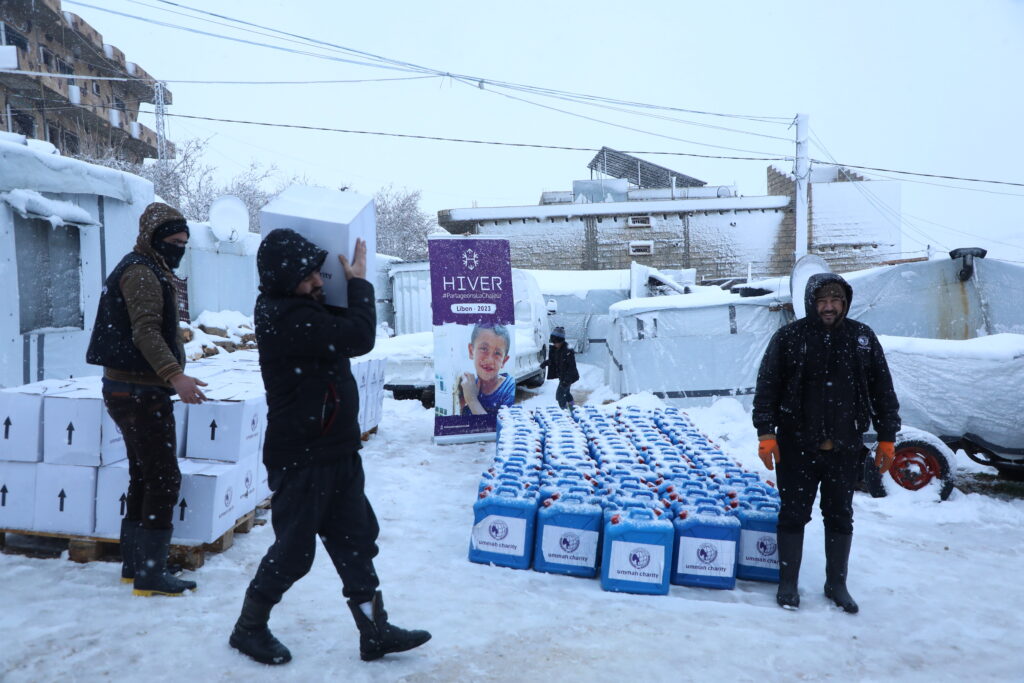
[(137, 340), (312, 442)]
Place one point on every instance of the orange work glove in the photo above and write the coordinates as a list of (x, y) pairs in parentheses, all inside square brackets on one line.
[(884, 455), (768, 451)]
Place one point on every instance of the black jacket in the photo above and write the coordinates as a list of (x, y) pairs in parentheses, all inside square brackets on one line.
[(561, 364), (304, 348), (816, 383), (111, 344)]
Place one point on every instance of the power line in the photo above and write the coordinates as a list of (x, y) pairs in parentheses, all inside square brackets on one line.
[(945, 185), (464, 140), (635, 130), (237, 40), (409, 66), (915, 173), (203, 82), (887, 212)]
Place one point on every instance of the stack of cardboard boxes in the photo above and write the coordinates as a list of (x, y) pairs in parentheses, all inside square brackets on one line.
[(63, 466)]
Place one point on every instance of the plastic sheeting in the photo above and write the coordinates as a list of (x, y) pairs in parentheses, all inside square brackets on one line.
[(691, 354), (958, 388), (928, 300)]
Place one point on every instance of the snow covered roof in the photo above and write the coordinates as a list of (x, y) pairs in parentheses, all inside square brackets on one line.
[(26, 168), (579, 282), (613, 208), (700, 297), (31, 204)]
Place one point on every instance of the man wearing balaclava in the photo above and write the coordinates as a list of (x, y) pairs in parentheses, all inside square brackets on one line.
[(137, 341), (822, 381)]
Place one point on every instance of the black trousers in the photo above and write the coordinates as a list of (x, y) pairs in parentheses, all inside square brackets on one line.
[(325, 500), (562, 394), (145, 416), (801, 473)]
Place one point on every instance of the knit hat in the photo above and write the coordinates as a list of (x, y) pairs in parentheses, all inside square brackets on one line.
[(558, 335), (831, 290), (171, 227)]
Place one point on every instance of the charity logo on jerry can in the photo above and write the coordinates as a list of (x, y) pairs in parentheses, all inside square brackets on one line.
[(706, 543), (503, 526), (637, 553), (759, 551), (568, 531)]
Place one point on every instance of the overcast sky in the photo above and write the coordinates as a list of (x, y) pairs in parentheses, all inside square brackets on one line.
[(910, 85)]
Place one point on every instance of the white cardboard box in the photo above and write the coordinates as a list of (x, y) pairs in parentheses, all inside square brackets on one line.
[(207, 505), (65, 499), (111, 497), (77, 429), (248, 483), (180, 428), (332, 220), (359, 373), (21, 420), (17, 494), (230, 425), (262, 482)]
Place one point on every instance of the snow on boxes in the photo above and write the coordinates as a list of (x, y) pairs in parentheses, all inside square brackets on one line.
[(229, 424), (640, 498)]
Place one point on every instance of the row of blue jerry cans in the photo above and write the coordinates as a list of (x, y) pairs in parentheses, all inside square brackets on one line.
[(642, 551)]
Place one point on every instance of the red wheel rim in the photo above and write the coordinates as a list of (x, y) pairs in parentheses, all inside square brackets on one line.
[(914, 468)]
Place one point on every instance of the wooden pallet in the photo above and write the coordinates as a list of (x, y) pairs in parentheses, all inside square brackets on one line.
[(92, 548)]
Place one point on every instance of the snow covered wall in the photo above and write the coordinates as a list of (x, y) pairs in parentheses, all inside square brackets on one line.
[(63, 225)]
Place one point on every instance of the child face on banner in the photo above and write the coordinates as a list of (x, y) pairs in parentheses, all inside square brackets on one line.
[(489, 353)]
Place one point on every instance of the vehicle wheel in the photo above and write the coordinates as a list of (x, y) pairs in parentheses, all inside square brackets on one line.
[(534, 381), (871, 478), (405, 394), (427, 397), (917, 463)]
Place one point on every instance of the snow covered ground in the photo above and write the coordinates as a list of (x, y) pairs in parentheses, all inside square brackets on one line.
[(938, 586)]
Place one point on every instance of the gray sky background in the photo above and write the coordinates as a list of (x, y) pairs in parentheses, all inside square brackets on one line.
[(907, 85)]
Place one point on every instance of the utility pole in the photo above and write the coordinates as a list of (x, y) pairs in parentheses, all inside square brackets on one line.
[(801, 171), (161, 134)]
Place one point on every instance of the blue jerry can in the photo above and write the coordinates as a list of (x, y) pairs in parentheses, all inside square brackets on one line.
[(706, 542), (758, 557), (568, 531), (503, 527), (637, 553)]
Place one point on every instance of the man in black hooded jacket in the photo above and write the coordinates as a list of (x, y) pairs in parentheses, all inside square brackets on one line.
[(822, 381), (312, 445)]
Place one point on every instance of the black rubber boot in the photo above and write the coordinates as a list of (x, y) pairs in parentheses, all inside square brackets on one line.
[(837, 556), (252, 637), (151, 577), (377, 637), (127, 546), (791, 551)]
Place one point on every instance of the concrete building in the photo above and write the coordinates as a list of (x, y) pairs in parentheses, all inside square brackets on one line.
[(667, 220), (78, 115)]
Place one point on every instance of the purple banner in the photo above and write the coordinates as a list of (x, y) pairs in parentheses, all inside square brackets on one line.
[(474, 335)]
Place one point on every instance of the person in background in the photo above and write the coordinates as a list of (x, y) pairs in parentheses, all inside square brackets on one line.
[(823, 379), (137, 341), (561, 365), (312, 445), (491, 389)]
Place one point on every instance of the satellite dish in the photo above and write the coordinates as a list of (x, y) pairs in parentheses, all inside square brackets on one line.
[(229, 218), (807, 266)]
